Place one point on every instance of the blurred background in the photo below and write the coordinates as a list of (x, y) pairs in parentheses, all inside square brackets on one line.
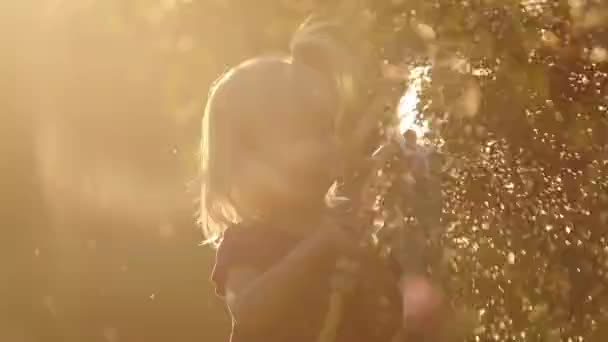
[(99, 138), (101, 104)]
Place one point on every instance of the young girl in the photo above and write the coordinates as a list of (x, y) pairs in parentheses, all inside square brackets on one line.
[(270, 153)]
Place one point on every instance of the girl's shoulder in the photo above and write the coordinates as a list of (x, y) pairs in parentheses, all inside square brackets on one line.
[(253, 245)]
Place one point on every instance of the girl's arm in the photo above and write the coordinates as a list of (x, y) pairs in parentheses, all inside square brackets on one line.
[(258, 300)]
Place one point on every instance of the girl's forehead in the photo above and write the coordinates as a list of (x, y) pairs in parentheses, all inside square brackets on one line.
[(276, 98), (293, 128), (290, 109)]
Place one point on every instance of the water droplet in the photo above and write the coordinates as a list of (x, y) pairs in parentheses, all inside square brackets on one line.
[(49, 304), (604, 217), (478, 331), (409, 179), (550, 39), (185, 44), (166, 230), (471, 99), (378, 222), (574, 4), (598, 54), (110, 334), (425, 31), (169, 4), (592, 19), (460, 65), (511, 258), (91, 244)]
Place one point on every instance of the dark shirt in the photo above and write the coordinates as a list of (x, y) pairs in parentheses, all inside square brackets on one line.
[(372, 312)]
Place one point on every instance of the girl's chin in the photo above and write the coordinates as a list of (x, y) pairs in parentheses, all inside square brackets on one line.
[(303, 203), (307, 193)]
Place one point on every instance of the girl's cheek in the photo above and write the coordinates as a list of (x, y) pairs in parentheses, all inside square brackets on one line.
[(312, 161), (261, 185)]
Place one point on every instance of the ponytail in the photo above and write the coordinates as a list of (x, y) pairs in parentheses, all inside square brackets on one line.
[(324, 46)]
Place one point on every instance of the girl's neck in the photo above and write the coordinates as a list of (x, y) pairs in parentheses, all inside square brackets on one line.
[(298, 222)]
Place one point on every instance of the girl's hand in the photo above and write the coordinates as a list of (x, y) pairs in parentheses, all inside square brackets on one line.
[(421, 303)]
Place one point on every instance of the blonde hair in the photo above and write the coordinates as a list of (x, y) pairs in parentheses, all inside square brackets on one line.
[(264, 91)]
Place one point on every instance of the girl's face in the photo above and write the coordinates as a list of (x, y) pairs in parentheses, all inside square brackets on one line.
[(283, 149), (306, 163), (293, 167)]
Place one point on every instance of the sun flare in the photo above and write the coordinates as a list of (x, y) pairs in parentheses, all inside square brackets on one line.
[(407, 109)]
